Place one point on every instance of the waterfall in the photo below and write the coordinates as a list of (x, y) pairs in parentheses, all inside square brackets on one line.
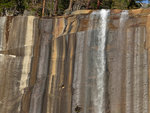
[(2, 25), (123, 18), (120, 84), (100, 64), (85, 62), (99, 60), (89, 74)]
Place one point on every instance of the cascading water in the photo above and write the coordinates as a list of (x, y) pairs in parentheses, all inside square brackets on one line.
[(119, 69), (89, 86), (99, 100), (82, 63), (123, 18), (2, 21)]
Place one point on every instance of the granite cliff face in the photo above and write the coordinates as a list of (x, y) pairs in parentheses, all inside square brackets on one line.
[(87, 62)]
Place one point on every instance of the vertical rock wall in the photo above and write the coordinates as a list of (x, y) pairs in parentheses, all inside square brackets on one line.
[(128, 65), (88, 62), (15, 61)]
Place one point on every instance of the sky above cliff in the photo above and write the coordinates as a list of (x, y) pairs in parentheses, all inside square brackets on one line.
[(144, 1)]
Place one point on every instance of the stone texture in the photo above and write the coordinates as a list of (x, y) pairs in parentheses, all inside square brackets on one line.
[(87, 62)]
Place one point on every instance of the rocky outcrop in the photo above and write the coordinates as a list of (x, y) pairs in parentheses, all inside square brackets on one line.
[(87, 62)]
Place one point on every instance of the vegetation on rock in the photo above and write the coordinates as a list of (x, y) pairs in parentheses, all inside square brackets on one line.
[(59, 7)]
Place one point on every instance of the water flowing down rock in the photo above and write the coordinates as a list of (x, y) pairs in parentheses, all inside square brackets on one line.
[(90, 65), (86, 62)]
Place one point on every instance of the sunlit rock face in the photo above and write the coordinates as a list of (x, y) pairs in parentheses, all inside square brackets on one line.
[(87, 62)]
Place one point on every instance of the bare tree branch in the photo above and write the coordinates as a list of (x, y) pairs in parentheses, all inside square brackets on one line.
[(43, 8), (56, 7), (98, 3), (88, 4), (70, 5)]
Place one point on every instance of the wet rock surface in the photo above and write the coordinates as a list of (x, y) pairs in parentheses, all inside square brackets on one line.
[(88, 62)]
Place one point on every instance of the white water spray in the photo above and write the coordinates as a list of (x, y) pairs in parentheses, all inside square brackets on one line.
[(99, 98), (123, 18), (2, 25), (89, 87)]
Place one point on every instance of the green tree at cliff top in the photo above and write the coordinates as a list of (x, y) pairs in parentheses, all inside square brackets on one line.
[(59, 6)]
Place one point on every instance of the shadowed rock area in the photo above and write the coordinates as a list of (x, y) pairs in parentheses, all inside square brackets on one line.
[(87, 62)]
